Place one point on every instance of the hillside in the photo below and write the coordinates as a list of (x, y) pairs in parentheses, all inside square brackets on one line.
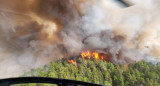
[(100, 72)]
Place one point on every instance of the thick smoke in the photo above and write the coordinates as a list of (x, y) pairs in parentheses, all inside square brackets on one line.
[(36, 32)]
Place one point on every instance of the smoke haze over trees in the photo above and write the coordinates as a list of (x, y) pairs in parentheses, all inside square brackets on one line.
[(35, 32), (100, 72)]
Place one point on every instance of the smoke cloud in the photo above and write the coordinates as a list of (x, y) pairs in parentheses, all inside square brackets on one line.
[(35, 32)]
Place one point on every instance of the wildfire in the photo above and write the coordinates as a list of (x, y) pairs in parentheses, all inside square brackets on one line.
[(89, 55), (94, 55), (72, 61), (126, 66)]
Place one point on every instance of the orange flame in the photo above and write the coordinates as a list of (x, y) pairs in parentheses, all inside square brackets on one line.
[(72, 61), (89, 55), (126, 66), (93, 55)]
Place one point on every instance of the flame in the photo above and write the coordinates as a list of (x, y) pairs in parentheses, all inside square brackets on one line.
[(126, 66), (94, 55), (72, 61), (89, 55)]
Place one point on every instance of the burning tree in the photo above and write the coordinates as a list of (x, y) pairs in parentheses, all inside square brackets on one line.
[(100, 72)]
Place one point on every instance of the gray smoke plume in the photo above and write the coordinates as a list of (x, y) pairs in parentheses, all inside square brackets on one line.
[(35, 32)]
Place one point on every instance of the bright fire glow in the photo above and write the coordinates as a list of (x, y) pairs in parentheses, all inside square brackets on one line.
[(72, 61), (94, 55), (89, 55)]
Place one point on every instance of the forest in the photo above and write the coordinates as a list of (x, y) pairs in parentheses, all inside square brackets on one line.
[(100, 72)]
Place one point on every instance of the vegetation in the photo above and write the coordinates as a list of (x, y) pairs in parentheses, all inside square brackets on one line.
[(101, 72)]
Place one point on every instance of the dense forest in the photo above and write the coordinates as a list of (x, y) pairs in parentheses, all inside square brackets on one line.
[(101, 72)]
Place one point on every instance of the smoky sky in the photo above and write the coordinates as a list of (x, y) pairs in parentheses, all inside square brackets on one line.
[(35, 32)]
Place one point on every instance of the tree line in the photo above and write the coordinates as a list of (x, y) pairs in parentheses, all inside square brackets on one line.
[(100, 72)]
